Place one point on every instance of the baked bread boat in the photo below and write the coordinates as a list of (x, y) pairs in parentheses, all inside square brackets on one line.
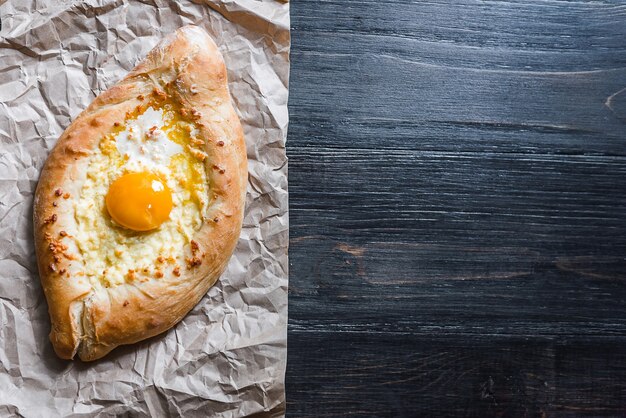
[(139, 206)]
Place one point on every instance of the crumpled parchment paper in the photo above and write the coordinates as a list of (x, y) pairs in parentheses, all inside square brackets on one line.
[(227, 357)]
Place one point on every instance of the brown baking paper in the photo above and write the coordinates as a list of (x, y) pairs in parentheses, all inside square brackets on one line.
[(227, 357)]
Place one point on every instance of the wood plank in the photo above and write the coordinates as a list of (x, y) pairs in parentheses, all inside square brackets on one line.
[(417, 77), (433, 289), (391, 375)]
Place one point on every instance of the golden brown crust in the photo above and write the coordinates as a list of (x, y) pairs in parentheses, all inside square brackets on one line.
[(91, 322)]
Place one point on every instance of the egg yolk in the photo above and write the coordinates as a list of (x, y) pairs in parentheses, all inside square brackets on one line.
[(139, 201)]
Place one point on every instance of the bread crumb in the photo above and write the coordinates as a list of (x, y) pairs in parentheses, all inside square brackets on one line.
[(66, 196), (176, 271), (160, 259), (52, 267), (194, 246), (51, 219), (158, 274), (140, 97)]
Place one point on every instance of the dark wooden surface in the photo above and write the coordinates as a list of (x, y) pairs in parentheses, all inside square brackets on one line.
[(458, 209)]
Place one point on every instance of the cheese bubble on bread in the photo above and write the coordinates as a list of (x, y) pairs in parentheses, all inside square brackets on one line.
[(139, 205)]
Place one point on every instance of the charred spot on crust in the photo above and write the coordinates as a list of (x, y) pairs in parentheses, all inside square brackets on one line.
[(50, 219), (196, 141), (194, 246), (193, 261), (63, 233), (216, 219), (57, 247), (158, 274), (220, 143), (58, 192), (219, 169), (140, 97), (159, 94), (196, 114), (62, 271), (52, 267), (176, 271), (160, 259), (116, 124), (200, 155), (125, 304), (54, 204), (94, 122)]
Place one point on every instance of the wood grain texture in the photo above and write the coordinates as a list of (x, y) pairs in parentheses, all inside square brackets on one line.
[(458, 193)]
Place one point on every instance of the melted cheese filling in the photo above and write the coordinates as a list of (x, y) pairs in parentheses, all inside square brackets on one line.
[(155, 140)]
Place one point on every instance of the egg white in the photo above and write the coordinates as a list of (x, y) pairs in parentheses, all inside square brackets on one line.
[(152, 154)]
